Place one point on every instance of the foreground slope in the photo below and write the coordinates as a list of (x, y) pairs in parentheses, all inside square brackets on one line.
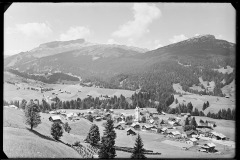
[(18, 141)]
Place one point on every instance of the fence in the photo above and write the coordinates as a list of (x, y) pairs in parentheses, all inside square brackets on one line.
[(87, 151)]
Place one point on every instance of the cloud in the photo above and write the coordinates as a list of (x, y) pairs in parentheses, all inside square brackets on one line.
[(178, 38), (112, 41), (75, 33), (219, 36), (157, 44), (33, 29), (144, 14), (196, 34)]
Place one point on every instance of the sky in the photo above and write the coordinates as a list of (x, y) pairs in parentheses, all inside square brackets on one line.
[(144, 25)]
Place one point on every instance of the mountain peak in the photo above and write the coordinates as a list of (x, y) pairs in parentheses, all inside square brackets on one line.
[(57, 43), (203, 36)]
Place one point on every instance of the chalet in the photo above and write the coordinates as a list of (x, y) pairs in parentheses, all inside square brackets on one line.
[(172, 123), (128, 123), (154, 129), (184, 135), (98, 118), (151, 121), (122, 122), (119, 126), (136, 125), (162, 122), (70, 116), (195, 136), (110, 110), (202, 125), (147, 127), (204, 131), (131, 131), (218, 136), (191, 132), (52, 112), (119, 119), (193, 140), (209, 147), (163, 130), (153, 112), (55, 119), (211, 123), (173, 132)]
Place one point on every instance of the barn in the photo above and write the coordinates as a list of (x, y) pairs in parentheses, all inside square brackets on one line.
[(119, 126), (55, 119)]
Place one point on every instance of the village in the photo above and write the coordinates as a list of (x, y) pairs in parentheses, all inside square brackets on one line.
[(201, 139)]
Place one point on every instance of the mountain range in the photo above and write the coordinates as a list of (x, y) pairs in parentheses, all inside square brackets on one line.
[(195, 57)]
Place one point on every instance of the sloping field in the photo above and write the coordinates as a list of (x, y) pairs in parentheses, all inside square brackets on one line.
[(11, 92), (229, 89), (197, 101), (228, 70), (198, 88), (177, 144), (205, 84), (22, 143), (80, 127), (18, 141), (178, 88)]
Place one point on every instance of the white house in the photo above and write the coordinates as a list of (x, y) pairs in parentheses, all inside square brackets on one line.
[(56, 118), (71, 115)]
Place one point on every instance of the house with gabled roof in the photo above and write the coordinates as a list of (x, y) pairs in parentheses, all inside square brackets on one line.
[(191, 132), (119, 126), (56, 118), (218, 136), (209, 147), (131, 131)]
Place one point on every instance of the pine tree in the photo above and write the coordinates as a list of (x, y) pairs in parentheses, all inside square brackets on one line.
[(56, 130), (32, 116), (204, 106), (138, 151), (186, 122), (193, 122), (107, 149), (93, 136), (176, 101)]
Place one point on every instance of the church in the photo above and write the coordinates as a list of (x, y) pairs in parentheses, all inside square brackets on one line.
[(137, 114)]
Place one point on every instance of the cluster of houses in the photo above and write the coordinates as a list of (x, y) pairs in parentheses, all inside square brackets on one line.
[(168, 127)]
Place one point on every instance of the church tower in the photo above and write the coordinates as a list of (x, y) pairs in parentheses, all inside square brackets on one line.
[(137, 114)]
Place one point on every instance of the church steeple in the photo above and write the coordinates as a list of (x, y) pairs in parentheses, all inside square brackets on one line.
[(137, 113)]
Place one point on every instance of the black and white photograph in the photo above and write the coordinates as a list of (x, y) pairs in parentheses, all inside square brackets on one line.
[(119, 80)]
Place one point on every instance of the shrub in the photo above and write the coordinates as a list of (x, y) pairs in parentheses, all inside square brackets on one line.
[(77, 143), (67, 128), (56, 130), (93, 136)]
